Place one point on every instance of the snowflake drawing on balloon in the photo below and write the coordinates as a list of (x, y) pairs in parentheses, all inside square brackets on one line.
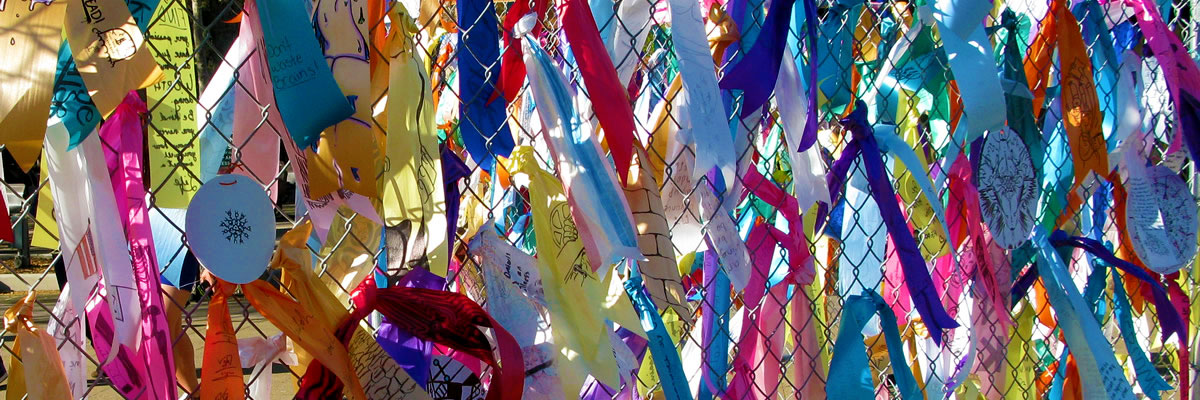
[(235, 226)]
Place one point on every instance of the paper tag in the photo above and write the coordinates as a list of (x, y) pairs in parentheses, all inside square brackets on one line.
[(1161, 216), (231, 228), (1008, 191)]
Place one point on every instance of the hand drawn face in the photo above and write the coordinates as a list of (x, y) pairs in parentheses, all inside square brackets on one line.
[(116, 45)]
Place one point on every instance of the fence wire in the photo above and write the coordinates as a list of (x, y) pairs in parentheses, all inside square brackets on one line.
[(354, 241)]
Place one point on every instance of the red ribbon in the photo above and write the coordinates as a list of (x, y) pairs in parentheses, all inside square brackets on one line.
[(609, 99)]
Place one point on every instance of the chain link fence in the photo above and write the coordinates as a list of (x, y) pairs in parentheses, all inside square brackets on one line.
[(34, 262)]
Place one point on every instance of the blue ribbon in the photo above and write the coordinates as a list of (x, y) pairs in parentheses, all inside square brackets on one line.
[(1099, 372), (1147, 375), (481, 122)]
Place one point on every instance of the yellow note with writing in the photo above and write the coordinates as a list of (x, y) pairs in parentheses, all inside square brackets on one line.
[(174, 151)]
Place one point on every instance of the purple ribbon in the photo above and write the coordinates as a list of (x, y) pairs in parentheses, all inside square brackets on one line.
[(810, 24), (1168, 316), (453, 170), (916, 275), (758, 71)]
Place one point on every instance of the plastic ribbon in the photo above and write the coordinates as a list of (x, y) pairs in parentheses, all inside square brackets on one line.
[(1168, 317), (259, 354), (36, 368), (589, 182), (451, 319), (92, 241), (110, 52), (1100, 374), (215, 110), (1147, 375), (605, 91), (970, 56), (412, 180), (34, 41), (309, 99), (801, 270), (849, 372), (222, 368), (123, 134), (1018, 105), (721, 235), (701, 115), (515, 298), (384, 378), (662, 348), (808, 172), (512, 67), (715, 334), (758, 70), (1104, 64), (348, 151), (1179, 70), (453, 171), (67, 327), (572, 291), (258, 82), (1080, 106), (256, 137), (480, 122), (917, 279), (628, 37)]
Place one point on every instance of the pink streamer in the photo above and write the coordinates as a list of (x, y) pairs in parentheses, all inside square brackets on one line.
[(1180, 70), (757, 363), (151, 367)]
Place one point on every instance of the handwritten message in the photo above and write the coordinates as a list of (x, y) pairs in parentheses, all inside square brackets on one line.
[(174, 152)]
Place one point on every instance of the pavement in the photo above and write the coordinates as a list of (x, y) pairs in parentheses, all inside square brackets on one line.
[(246, 321)]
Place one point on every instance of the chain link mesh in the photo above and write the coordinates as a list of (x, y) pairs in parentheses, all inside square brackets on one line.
[(31, 266)]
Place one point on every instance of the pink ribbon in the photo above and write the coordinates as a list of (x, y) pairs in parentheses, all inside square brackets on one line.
[(151, 367)]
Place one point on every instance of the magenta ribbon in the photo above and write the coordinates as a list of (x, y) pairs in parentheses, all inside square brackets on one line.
[(151, 367)]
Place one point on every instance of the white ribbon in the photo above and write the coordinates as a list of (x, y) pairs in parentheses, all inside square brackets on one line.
[(91, 234), (260, 353)]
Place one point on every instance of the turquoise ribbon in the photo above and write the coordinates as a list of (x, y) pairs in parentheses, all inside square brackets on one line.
[(849, 371), (1147, 375), (715, 332), (1100, 374), (1104, 63), (662, 349)]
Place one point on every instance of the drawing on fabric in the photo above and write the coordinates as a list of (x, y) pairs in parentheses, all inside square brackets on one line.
[(1161, 217), (1008, 191), (451, 380), (115, 44)]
